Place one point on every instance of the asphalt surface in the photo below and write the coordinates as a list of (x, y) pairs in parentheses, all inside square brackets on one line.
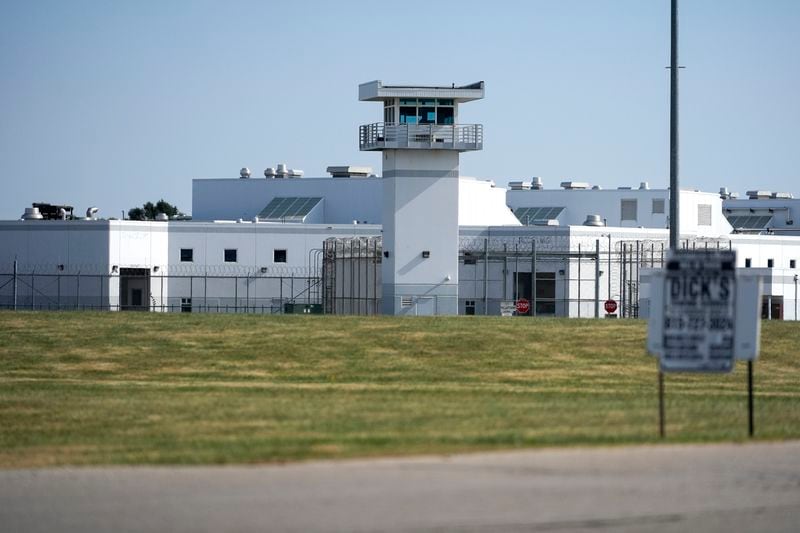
[(749, 487)]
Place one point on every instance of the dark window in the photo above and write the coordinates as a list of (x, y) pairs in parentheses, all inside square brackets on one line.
[(427, 115), (279, 256), (770, 263), (469, 307), (792, 263), (186, 305), (187, 255), (408, 115), (444, 115), (230, 255), (748, 263)]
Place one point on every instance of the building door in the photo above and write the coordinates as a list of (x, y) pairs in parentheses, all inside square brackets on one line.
[(426, 306), (134, 289), (772, 307)]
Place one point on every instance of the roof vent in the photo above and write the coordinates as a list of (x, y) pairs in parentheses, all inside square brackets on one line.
[(519, 185), (597, 188), (269, 173), (283, 171), (346, 171), (724, 193), (593, 220), (644, 186), (536, 183), (244, 173), (783, 195), (295, 173), (32, 213), (759, 195), (574, 185), (162, 217), (91, 212)]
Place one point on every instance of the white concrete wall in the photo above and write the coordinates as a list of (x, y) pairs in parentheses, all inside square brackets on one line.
[(607, 203), (480, 203)]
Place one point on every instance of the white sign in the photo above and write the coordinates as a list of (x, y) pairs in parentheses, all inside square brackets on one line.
[(508, 307), (699, 311)]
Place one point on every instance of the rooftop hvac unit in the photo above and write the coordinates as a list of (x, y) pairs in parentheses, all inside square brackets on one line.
[(593, 220), (759, 195), (32, 213), (282, 171), (91, 212), (295, 173), (574, 185), (346, 171), (644, 185), (162, 217), (536, 183), (783, 195), (269, 172), (244, 173), (519, 185)]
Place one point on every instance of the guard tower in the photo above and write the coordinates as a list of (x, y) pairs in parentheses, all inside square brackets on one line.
[(421, 139)]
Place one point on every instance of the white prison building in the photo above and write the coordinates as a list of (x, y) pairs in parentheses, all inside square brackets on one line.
[(420, 239)]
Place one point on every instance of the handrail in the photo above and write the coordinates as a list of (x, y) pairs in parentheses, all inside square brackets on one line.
[(381, 135)]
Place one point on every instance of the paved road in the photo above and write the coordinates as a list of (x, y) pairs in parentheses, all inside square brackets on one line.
[(754, 487)]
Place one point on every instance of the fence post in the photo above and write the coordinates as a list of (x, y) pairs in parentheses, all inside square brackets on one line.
[(597, 278), (15, 284), (33, 289), (486, 276), (533, 276), (580, 258), (78, 290)]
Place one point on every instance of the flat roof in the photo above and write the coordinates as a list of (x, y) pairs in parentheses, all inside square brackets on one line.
[(375, 91)]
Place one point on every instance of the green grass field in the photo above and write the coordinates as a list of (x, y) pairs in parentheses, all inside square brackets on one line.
[(137, 388)]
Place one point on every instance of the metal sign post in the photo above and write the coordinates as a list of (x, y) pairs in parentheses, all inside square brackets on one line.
[(703, 318)]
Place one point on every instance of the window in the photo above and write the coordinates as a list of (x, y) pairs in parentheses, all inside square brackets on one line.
[(427, 115), (444, 115), (792, 263), (748, 263), (469, 307), (279, 256), (704, 215), (186, 305), (628, 209), (658, 206), (187, 255), (770, 263), (408, 115), (230, 255)]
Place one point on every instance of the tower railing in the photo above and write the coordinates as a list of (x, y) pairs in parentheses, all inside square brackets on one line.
[(386, 135)]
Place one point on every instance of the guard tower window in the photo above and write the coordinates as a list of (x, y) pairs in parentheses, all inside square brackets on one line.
[(187, 255), (628, 209), (770, 263), (230, 255), (408, 115), (279, 256), (444, 115)]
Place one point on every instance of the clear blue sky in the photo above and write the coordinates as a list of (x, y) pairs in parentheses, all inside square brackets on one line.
[(116, 103)]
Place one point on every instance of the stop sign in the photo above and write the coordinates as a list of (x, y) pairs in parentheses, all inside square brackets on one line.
[(523, 306), (610, 306)]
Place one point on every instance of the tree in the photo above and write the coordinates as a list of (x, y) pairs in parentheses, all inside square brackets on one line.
[(148, 211)]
